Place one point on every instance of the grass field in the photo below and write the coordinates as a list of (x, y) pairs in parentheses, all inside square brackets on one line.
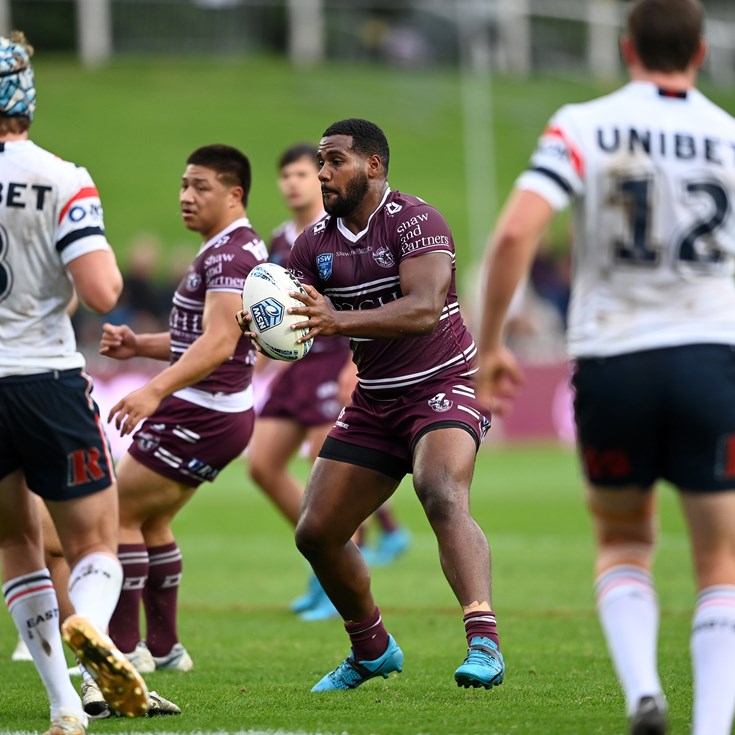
[(132, 124), (255, 662)]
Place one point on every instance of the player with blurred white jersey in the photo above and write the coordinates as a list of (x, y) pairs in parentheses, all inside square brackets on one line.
[(650, 171), (52, 240)]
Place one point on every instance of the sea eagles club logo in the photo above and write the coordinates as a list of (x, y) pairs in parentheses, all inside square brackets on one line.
[(440, 403), (193, 281), (324, 263), (383, 257)]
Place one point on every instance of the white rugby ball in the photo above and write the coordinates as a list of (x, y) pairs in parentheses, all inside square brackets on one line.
[(265, 297)]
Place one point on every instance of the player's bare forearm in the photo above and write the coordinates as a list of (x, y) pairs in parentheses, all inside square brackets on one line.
[(408, 316), (120, 342), (203, 356), (156, 345), (521, 226), (506, 268), (424, 284)]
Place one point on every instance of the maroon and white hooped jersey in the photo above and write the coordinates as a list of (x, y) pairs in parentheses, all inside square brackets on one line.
[(361, 271), (222, 264)]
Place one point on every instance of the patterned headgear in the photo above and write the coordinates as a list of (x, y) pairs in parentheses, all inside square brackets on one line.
[(17, 91)]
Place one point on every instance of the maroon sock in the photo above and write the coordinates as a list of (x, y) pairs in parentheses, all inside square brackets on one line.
[(368, 637), (160, 598), (125, 621), (482, 623), (386, 519)]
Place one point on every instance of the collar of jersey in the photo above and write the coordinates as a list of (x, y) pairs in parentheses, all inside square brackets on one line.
[(351, 236), (649, 89), (241, 222)]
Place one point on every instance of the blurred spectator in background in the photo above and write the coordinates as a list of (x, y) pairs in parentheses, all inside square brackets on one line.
[(146, 300), (550, 277), (535, 327)]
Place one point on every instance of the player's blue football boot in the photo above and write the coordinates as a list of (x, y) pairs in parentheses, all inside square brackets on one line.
[(483, 667), (350, 673), (324, 609), (390, 546), (310, 598)]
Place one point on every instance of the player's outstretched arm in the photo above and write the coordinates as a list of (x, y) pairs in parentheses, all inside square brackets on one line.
[(97, 279), (216, 344), (522, 223), (425, 282), (120, 342)]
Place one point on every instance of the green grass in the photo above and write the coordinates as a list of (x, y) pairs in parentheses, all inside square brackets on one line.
[(255, 662)]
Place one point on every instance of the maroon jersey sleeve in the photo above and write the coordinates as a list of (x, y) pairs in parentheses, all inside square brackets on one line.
[(421, 229)]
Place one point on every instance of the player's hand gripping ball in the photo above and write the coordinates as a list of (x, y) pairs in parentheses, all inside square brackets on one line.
[(265, 297)]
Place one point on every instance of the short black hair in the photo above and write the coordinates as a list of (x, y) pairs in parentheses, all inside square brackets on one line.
[(232, 166), (296, 153), (367, 137), (665, 33)]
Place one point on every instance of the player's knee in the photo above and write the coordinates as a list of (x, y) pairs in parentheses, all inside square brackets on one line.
[(260, 473), (308, 541), (714, 564), (441, 506), (309, 537), (624, 553), (633, 532)]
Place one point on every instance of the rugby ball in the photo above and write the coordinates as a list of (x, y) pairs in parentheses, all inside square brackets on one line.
[(265, 297)]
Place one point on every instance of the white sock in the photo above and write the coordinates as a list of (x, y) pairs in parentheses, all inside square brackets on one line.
[(628, 611), (94, 588), (713, 661), (32, 602)]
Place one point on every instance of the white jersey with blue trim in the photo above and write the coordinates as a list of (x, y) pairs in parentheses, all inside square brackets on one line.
[(50, 214), (651, 175)]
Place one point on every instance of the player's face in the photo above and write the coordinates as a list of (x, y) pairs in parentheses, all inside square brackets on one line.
[(206, 203), (299, 184), (343, 175)]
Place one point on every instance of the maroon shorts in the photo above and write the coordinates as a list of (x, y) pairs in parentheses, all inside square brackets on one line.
[(191, 444), (306, 392), (383, 434)]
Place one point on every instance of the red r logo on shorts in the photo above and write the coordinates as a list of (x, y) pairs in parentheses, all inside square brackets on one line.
[(726, 459), (83, 466)]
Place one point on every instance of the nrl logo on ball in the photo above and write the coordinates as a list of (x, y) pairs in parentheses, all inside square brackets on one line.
[(267, 314)]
